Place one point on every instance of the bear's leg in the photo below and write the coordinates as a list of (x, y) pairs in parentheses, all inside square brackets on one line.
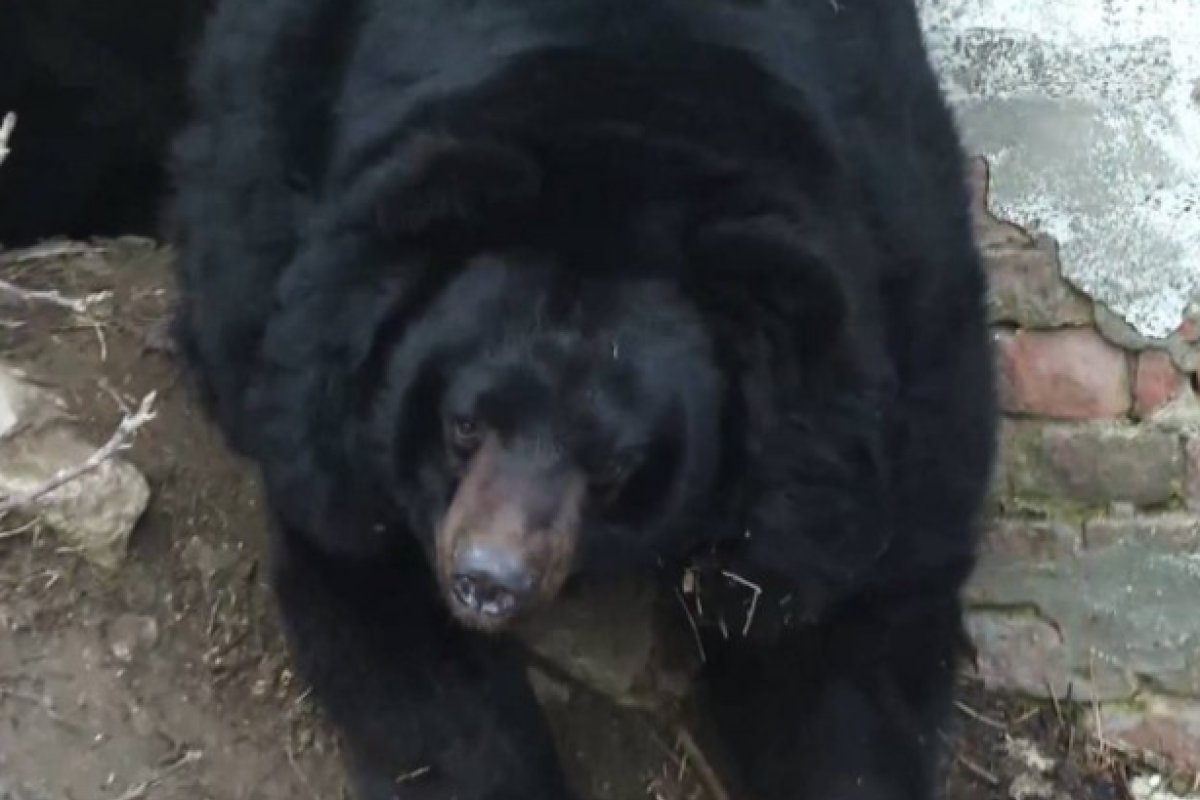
[(427, 709), (851, 709)]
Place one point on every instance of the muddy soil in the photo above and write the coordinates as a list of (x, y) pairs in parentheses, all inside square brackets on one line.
[(166, 679)]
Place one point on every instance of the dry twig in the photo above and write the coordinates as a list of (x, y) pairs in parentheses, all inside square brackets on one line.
[(80, 305), (6, 128), (982, 719), (121, 440), (47, 251), (12, 533), (977, 770), (757, 593)]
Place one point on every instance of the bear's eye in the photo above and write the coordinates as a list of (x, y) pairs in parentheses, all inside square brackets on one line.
[(465, 434)]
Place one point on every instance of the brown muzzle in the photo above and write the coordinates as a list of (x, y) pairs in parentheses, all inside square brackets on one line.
[(508, 539)]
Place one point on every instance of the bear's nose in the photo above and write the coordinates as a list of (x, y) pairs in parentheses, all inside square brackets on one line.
[(491, 582)]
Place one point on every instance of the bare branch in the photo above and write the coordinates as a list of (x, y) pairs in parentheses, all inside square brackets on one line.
[(120, 441)]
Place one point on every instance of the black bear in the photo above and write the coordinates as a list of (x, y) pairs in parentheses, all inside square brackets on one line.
[(98, 89), (502, 293)]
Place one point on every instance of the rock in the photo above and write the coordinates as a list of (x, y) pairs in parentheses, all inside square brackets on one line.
[(619, 639), (1093, 466), (1067, 374), (1158, 382), (94, 513), (24, 406), (1026, 288), (1166, 727), (130, 635)]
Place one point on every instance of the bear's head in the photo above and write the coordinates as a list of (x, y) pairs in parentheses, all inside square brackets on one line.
[(546, 424)]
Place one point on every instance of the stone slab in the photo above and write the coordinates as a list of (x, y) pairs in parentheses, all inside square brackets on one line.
[(1120, 611)]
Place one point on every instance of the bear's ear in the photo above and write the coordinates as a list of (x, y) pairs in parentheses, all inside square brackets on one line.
[(447, 181), (764, 274)]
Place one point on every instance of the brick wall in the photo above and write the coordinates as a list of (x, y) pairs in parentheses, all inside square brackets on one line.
[(1097, 418), (1089, 585)]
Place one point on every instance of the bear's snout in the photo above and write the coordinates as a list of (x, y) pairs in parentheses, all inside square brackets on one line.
[(508, 540)]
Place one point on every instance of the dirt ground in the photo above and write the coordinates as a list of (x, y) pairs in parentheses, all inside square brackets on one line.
[(167, 678)]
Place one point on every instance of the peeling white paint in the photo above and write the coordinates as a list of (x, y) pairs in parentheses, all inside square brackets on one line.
[(1090, 113)]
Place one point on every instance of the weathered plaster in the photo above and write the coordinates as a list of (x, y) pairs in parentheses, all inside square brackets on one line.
[(1089, 111)]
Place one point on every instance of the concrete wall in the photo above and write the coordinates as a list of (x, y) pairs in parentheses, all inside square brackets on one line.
[(1089, 111)]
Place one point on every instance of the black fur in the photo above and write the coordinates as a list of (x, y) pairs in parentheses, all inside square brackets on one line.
[(735, 234)]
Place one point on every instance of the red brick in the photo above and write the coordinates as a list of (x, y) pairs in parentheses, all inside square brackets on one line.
[(1158, 382), (1067, 374), (1026, 288), (1029, 540), (1093, 466), (1193, 473)]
